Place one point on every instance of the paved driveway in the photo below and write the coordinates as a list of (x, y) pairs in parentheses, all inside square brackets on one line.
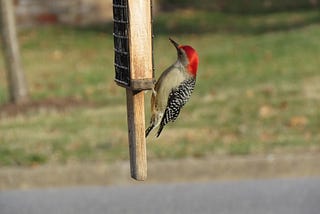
[(279, 196)]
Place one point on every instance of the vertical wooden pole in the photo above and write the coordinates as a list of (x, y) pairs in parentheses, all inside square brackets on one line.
[(137, 141), (140, 46), (17, 83), (140, 39)]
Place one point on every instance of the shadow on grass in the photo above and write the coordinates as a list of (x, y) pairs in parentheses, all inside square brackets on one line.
[(199, 22)]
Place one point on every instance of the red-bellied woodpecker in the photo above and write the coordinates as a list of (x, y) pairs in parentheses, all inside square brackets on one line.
[(173, 88)]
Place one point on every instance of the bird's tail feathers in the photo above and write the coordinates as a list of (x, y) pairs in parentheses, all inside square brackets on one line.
[(159, 130), (148, 130)]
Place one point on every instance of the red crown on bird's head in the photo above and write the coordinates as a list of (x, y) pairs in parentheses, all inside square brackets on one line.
[(192, 57)]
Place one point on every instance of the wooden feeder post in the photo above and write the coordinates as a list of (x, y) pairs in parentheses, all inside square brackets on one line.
[(134, 71)]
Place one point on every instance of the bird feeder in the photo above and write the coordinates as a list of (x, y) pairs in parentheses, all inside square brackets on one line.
[(133, 64)]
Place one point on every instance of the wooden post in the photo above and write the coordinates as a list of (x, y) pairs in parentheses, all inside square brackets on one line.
[(140, 46), (18, 91), (134, 71), (137, 141)]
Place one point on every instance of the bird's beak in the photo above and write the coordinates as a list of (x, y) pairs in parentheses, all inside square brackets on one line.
[(174, 43)]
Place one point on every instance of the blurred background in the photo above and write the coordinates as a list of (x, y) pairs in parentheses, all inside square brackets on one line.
[(255, 112)]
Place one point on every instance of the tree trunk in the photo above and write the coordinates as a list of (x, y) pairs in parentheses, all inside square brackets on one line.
[(17, 85)]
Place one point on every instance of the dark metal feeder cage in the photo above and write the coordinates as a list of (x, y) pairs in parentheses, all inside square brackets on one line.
[(121, 43)]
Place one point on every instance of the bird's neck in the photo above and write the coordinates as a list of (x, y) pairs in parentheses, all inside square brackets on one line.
[(192, 67)]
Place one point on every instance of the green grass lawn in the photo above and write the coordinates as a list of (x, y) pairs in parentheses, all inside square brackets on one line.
[(257, 90)]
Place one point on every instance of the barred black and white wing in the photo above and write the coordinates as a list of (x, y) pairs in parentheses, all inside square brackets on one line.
[(176, 100)]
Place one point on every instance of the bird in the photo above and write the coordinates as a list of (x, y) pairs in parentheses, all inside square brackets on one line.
[(173, 88)]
